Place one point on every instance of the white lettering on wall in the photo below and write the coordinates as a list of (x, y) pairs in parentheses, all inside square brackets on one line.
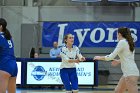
[(111, 32), (104, 35), (134, 34), (93, 34), (79, 35), (61, 33)]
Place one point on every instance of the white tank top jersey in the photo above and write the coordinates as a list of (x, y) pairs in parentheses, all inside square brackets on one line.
[(128, 65), (67, 54)]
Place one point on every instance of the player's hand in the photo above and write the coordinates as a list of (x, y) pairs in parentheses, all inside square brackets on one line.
[(115, 63), (77, 61), (83, 59), (97, 58)]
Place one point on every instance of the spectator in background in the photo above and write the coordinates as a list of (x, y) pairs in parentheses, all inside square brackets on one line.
[(36, 55), (33, 53), (55, 51)]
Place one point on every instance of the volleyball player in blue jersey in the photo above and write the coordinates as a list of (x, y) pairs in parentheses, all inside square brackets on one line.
[(8, 66), (70, 55)]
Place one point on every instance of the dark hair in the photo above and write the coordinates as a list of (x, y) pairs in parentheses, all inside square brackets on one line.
[(125, 32), (65, 38), (32, 52), (7, 34)]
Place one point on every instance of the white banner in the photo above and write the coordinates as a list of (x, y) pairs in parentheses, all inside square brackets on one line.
[(88, 34), (48, 73), (18, 80)]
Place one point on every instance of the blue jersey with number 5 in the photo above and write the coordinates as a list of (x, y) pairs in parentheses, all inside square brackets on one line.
[(6, 49)]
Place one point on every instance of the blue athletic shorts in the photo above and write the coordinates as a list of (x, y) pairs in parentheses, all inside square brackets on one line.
[(10, 67), (69, 78)]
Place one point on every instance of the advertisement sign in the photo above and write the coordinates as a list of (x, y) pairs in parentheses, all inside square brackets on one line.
[(18, 80), (42, 73)]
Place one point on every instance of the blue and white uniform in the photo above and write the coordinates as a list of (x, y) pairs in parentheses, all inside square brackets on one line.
[(7, 58), (128, 65), (68, 70)]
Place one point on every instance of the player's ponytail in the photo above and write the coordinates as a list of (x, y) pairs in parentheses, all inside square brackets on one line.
[(6, 34), (125, 32)]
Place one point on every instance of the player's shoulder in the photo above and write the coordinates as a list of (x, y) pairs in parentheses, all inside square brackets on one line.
[(123, 41), (2, 37), (64, 47), (75, 47)]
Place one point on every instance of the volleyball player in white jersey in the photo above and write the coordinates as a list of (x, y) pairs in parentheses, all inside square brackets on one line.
[(70, 55), (125, 51)]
